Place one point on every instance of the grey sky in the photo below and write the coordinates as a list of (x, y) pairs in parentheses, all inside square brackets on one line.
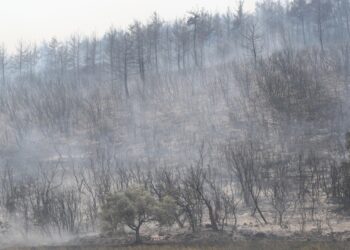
[(36, 20)]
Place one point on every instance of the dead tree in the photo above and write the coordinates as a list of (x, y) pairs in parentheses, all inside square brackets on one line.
[(245, 163)]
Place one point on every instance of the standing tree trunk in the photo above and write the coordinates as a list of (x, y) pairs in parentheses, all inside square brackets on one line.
[(303, 29), (212, 217), (138, 239)]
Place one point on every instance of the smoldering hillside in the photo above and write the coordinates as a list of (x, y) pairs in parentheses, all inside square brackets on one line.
[(257, 102)]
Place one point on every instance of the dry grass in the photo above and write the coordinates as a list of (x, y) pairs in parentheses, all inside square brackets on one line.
[(249, 245)]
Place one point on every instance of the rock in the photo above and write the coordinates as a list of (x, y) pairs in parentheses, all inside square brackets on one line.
[(260, 235)]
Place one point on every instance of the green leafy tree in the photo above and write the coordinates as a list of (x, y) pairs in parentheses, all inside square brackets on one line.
[(134, 208)]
